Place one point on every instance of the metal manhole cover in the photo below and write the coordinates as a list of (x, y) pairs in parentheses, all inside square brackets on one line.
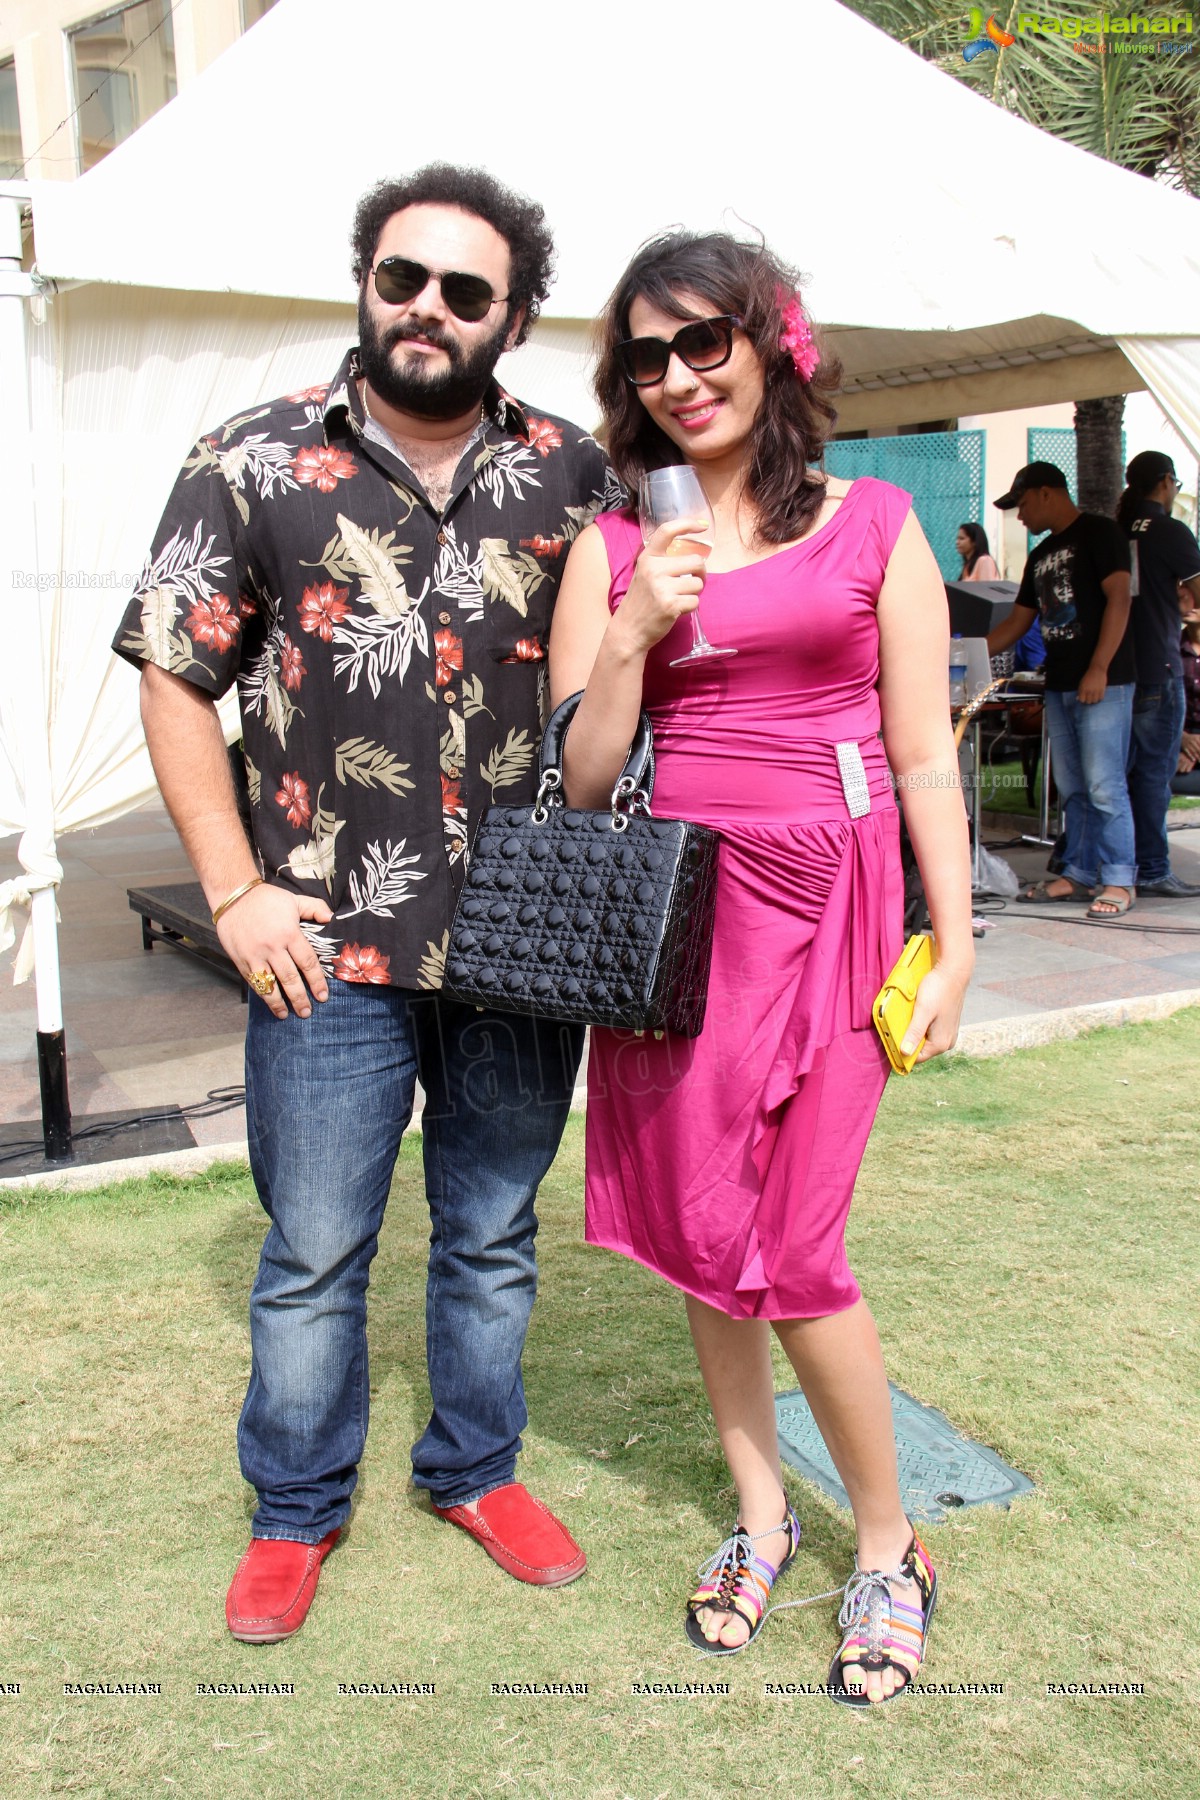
[(940, 1469)]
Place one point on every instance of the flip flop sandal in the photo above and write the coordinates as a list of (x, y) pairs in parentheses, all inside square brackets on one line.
[(876, 1625), (735, 1580), (1038, 896), (1108, 908)]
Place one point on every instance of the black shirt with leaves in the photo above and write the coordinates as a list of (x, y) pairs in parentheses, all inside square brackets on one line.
[(390, 658)]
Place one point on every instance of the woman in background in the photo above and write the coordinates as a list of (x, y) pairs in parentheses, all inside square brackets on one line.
[(726, 1162), (1187, 769), (1166, 563), (977, 563)]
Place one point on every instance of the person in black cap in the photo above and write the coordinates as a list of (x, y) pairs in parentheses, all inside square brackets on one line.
[(1165, 554), (1077, 579)]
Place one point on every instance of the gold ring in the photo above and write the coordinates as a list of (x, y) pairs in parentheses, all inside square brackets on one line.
[(262, 981)]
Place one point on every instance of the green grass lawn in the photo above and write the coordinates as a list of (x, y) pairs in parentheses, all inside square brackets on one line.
[(1026, 1231)]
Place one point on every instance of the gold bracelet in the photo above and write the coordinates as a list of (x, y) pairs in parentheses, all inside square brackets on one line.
[(254, 881)]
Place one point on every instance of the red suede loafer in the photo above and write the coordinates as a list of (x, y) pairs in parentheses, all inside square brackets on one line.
[(522, 1535), (273, 1588)]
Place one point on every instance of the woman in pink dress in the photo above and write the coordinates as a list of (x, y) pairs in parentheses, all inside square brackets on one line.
[(726, 1162)]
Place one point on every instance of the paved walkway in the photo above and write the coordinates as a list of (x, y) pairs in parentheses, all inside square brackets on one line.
[(142, 1029), (1047, 971), (149, 1029)]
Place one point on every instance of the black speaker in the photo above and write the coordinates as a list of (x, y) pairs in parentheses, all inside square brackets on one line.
[(977, 607)]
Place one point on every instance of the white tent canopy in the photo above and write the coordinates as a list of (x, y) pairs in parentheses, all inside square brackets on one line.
[(920, 209), (962, 260)]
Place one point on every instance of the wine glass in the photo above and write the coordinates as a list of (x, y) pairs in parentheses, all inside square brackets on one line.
[(675, 493)]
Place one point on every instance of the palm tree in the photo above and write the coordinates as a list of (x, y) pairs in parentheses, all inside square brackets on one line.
[(1142, 112)]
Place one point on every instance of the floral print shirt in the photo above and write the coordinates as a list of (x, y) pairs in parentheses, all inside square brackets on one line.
[(390, 659)]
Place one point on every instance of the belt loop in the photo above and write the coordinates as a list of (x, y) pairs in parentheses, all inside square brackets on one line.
[(854, 779)]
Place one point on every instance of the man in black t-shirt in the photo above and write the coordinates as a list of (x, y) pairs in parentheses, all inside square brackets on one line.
[(1077, 580), (1165, 555)]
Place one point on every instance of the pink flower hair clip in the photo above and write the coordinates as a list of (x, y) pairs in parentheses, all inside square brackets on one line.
[(797, 338)]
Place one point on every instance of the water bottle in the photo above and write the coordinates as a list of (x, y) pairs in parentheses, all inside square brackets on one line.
[(958, 671)]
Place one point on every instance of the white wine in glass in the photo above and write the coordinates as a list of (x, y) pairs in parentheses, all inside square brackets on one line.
[(675, 493)]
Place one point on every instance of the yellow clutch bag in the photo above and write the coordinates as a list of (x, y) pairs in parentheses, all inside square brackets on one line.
[(893, 1008)]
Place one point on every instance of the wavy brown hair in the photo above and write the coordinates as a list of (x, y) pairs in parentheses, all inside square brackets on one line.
[(796, 417)]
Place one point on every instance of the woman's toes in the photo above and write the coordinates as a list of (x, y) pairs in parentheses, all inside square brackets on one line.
[(726, 1628)]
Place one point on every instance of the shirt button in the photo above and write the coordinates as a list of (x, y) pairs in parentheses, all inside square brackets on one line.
[(443, 618), (441, 537), (449, 696)]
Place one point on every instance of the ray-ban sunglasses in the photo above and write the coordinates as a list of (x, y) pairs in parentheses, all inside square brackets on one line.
[(399, 280), (702, 344)]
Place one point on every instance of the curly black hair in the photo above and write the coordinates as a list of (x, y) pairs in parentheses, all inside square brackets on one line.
[(520, 221)]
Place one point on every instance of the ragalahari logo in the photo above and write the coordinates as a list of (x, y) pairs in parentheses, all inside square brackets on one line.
[(987, 37)]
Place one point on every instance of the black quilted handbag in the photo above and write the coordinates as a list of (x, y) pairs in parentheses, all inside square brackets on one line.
[(599, 918)]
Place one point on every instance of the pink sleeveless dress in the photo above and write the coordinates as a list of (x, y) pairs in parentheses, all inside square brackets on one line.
[(727, 1162)]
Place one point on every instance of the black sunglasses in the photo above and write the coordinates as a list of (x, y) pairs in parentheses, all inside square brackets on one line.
[(469, 297), (702, 344)]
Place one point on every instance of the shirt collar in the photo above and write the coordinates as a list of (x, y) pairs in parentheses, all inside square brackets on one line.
[(499, 407)]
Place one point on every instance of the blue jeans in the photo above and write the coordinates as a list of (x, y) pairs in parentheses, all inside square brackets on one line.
[(1158, 715), (1089, 748), (327, 1101)]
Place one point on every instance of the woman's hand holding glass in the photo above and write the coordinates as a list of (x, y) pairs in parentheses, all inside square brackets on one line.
[(675, 497), (666, 583)]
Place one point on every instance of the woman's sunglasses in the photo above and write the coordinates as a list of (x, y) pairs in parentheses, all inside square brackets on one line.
[(469, 297), (704, 344)]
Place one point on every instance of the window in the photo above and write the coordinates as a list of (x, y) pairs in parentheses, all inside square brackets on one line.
[(253, 10), (124, 71), (10, 124)]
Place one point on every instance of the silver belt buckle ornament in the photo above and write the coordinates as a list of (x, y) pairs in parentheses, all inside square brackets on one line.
[(854, 779)]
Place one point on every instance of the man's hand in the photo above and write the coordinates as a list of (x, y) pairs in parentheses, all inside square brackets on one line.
[(261, 931), (1093, 687), (1189, 753)]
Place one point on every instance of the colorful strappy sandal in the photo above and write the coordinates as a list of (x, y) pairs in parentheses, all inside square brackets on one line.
[(875, 1624), (735, 1580)]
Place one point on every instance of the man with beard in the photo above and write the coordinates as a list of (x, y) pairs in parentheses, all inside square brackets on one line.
[(376, 565)]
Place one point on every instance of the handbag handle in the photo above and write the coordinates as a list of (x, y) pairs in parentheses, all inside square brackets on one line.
[(635, 784)]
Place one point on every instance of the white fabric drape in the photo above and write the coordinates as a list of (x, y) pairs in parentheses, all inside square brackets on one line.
[(121, 382), (1170, 368)]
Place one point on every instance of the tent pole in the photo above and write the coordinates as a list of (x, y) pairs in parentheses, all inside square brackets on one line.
[(51, 1038), (28, 730)]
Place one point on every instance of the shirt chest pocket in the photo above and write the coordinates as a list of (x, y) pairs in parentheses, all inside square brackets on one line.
[(519, 593)]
